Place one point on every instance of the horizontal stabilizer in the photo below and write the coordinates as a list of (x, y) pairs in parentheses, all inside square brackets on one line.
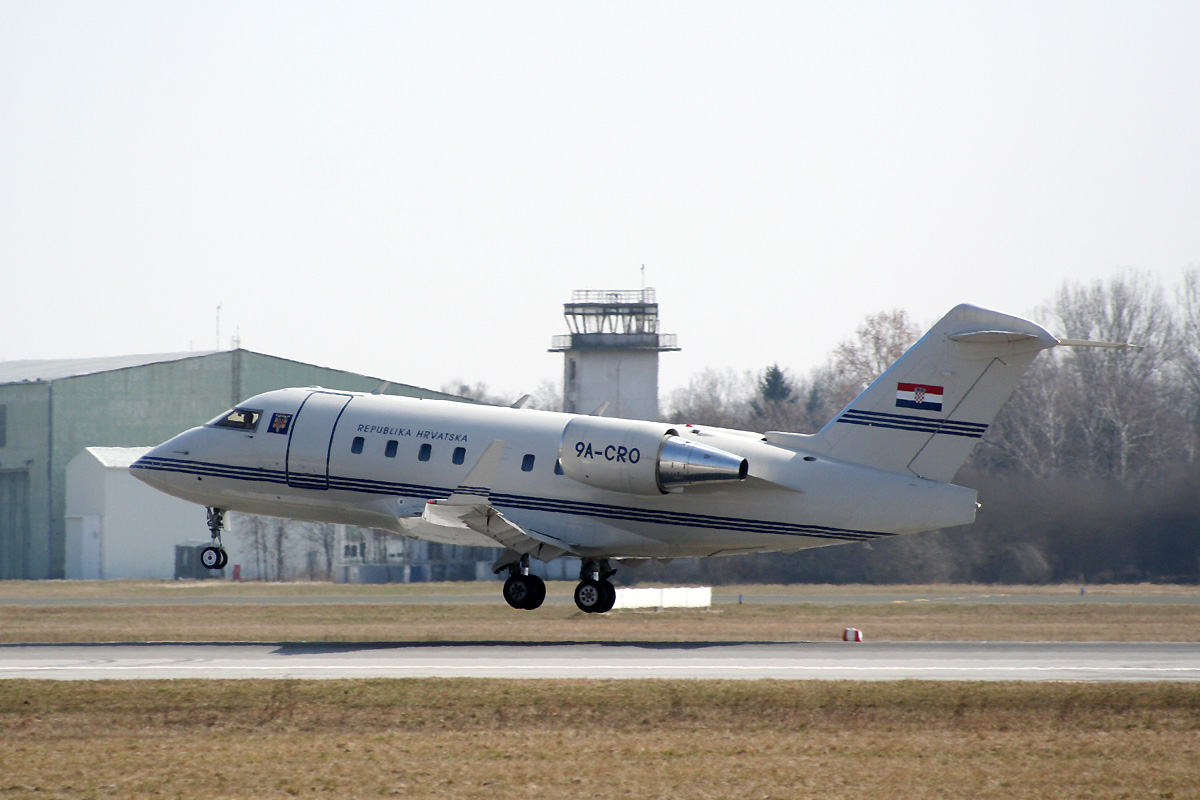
[(990, 337), (1110, 345)]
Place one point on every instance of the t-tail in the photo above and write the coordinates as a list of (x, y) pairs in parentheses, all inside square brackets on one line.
[(929, 410)]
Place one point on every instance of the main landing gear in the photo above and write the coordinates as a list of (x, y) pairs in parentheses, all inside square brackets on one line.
[(595, 594), (214, 556), (522, 590)]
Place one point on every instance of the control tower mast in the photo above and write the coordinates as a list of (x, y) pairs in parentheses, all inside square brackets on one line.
[(611, 354)]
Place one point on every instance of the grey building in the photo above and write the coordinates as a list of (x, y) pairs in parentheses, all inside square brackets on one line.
[(50, 411)]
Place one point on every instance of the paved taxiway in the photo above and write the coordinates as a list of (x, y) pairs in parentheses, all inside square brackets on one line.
[(1072, 661)]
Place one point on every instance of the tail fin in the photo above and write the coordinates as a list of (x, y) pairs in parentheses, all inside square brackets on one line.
[(927, 412)]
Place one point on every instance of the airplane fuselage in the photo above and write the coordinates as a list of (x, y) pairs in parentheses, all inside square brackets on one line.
[(378, 461)]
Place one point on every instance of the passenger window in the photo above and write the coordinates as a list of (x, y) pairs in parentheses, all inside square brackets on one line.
[(242, 419), (527, 463), (558, 466), (425, 453), (356, 446), (460, 454), (390, 450)]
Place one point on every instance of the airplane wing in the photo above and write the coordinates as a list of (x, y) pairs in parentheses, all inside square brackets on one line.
[(469, 507)]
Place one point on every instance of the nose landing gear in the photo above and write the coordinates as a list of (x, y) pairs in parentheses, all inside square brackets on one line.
[(214, 556)]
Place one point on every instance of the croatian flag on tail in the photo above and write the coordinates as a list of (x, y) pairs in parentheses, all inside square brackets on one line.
[(920, 396)]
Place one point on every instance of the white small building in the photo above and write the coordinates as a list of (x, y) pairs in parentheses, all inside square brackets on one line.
[(117, 526)]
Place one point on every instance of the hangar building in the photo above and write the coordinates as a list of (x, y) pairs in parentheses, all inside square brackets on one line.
[(50, 411)]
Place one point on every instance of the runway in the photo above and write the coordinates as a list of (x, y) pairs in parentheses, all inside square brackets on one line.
[(871, 661)]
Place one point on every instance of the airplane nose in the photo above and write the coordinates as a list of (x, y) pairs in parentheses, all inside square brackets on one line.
[(149, 467), (159, 466)]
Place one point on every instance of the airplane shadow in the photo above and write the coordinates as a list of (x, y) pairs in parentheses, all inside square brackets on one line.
[(319, 648)]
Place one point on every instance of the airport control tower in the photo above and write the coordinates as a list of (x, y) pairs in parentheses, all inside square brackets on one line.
[(611, 353)]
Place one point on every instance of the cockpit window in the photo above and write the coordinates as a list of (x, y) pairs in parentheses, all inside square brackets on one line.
[(242, 419)]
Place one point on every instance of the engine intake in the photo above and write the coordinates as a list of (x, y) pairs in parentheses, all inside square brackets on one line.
[(641, 457)]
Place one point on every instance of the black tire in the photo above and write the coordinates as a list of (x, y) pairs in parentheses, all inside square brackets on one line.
[(517, 591), (537, 592), (210, 557), (595, 597), (224, 558), (610, 597)]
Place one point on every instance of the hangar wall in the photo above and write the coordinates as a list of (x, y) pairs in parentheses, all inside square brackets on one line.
[(53, 410)]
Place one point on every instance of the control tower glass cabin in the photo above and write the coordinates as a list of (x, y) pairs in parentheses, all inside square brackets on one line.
[(611, 354)]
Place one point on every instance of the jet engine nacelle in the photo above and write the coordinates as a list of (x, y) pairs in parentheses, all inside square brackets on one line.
[(641, 457)]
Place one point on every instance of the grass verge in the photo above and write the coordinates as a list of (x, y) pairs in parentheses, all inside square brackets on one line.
[(554, 739), (403, 623)]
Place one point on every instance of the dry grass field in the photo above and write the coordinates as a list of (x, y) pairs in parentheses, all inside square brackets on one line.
[(591, 739), (63, 611), (595, 739)]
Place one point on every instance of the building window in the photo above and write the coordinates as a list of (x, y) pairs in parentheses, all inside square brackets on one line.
[(425, 453), (527, 463), (390, 450), (357, 445), (460, 455), (3, 425)]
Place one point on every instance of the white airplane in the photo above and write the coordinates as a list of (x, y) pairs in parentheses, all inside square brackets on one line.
[(547, 484)]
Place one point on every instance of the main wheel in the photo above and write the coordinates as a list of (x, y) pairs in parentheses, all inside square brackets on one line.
[(210, 557), (224, 558), (610, 597), (595, 597), (537, 592), (518, 591)]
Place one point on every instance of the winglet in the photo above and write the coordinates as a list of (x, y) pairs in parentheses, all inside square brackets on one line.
[(478, 483)]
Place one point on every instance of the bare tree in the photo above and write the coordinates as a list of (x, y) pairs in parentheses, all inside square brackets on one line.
[(1188, 296), (878, 342), (720, 398), (548, 396), (254, 529), (278, 536), (324, 536), (477, 391), (854, 364), (1126, 417)]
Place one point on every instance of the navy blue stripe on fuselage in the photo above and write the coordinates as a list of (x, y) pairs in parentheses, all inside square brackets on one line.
[(514, 501), (903, 422)]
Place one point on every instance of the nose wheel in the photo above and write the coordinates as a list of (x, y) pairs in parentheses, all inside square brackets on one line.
[(214, 556)]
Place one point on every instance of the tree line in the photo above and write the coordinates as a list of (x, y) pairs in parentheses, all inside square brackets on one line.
[(1089, 473)]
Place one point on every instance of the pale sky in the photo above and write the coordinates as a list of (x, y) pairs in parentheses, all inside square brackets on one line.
[(412, 190)]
